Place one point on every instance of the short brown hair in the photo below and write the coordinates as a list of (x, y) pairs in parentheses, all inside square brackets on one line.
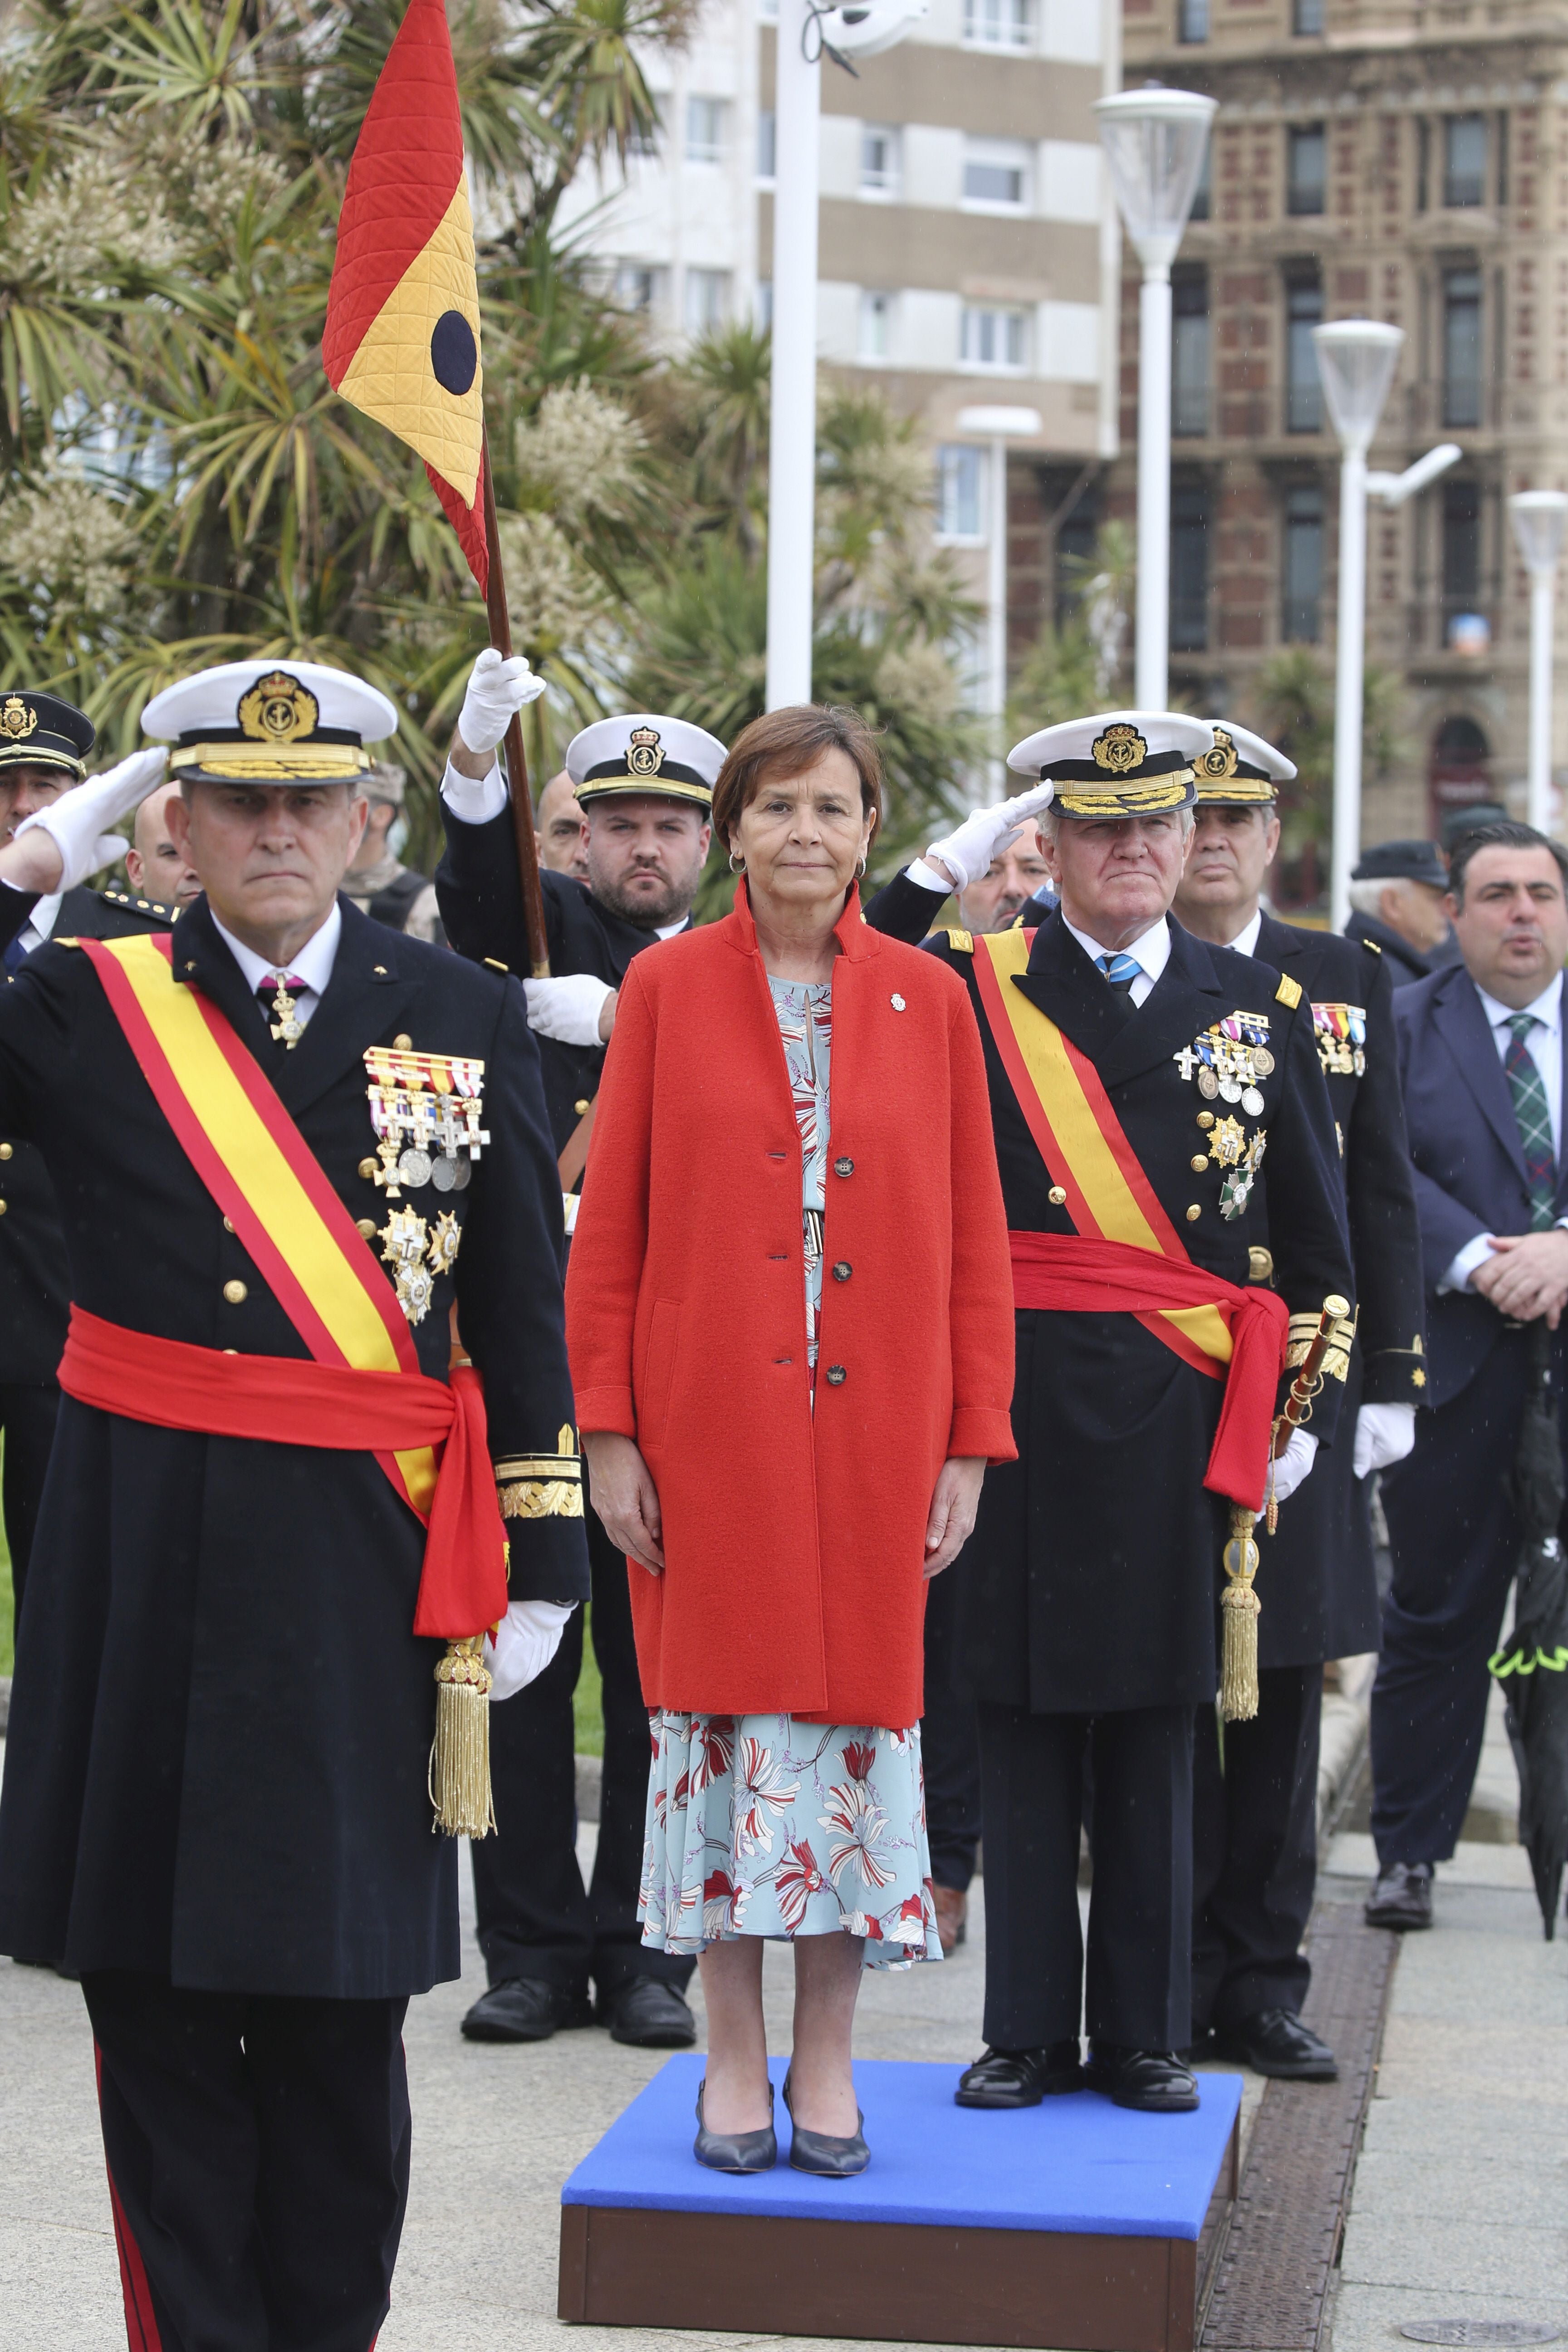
[(787, 741)]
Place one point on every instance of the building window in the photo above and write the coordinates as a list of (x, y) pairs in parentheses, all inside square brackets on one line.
[(1461, 553), (707, 300), (762, 309), (1192, 20), (1190, 352), (1203, 196), (1307, 19), (878, 160), (991, 338), (999, 24), (639, 286), (960, 507), (1306, 158), (767, 144), (997, 174), (1461, 347), (705, 127), (1503, 158), (1463, 160), (1423, 166), (1302, 569), (1303, 387), (1189, 567), (876, 326)]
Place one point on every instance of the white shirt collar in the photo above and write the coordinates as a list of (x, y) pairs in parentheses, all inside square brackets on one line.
[(1547, 1007), (1245, 940), (1152, 951), (313, 964), (39, 925)]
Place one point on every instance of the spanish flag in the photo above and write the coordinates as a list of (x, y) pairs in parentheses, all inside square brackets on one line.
[(402, 337)]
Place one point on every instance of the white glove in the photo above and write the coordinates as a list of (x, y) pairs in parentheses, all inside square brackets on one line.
[(1384, 1433), (986, 834), (1290, 1470), (79, 822), (523, 1643), (496, 691), (567, 1010)]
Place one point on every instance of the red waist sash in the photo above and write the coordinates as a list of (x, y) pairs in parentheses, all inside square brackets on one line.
[(289, 1400), (1069, 1274)]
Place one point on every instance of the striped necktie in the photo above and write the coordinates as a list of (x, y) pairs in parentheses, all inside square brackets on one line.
[(1528, 1088), (1121, 970)]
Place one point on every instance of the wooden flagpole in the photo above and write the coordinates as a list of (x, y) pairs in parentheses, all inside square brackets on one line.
[(516, 762)]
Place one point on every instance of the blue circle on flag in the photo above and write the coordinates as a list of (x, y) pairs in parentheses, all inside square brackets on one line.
[(454, 354)]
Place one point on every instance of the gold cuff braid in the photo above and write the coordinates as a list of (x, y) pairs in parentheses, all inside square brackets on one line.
[(542, 1485), (1303, 1331)]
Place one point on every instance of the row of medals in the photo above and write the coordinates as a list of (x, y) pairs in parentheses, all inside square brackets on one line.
[(428, 1111), (1227, 1070)]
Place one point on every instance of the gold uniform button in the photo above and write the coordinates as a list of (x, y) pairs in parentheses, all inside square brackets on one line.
[(3, 1208), (1056, 1196), (236, 1293), (404, 1043), (5, 1151), (228, 1224), (1259, 1265), (1193, 1214), (1205, 1118), (365, 1226), (367, 1169), (379, 970), (581, 1108), (1200, 1161)]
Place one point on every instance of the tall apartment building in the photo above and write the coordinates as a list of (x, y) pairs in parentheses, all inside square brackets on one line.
[(1406, 160), (968, 250)]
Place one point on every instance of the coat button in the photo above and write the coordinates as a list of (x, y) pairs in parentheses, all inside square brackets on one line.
[(236, 1293), (843, 1270), (365, 1226), (1056, 1196), (5, 1151), (1200, 1161), (836, 1376), (1205, 1118), (844, 1167), (1193, 1214), (228, 1224), (3, 1208), (403, 1041), (581, 1108), (367, 1169)]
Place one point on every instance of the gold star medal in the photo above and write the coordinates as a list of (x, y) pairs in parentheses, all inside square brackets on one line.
[(286, 1026)]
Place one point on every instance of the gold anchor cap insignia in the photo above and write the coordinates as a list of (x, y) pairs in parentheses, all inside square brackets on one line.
[(1119, 749), (277, 710), (17, 719), (1219, 762), (645, 755)]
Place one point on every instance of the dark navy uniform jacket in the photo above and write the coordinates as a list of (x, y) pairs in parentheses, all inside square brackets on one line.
[(221, 1720), (480, 895)]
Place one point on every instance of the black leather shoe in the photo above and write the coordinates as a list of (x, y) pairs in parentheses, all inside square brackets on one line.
[(1152, 2080), (1401, 1897), (753, 2151), (525, 2008), (835, 2156), (1021, 2078), (649, 2014), (1274, 2042)]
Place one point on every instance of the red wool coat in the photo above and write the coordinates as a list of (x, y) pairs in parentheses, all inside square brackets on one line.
[(793, 1543)]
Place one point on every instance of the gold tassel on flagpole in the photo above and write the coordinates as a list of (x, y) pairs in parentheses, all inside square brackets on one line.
[(459, 1776), (1240, 1608)]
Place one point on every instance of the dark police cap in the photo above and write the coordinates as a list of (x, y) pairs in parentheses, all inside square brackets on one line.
[(1403, 861), (39, 731)]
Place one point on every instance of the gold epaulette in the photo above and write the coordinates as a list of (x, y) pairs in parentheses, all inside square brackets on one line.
[(542, 1485), (493, 966), (1370, 943), (1303, 1331), (1288, 992), (961, 942)]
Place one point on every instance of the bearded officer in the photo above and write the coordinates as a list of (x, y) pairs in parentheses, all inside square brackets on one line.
[(1255, 1813), (644, 784), (286, 1143), (44, 745), (1137, 1079)]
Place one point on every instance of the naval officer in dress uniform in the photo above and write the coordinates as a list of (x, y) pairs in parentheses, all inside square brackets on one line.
[(1255, 1816), (286, 1142), (44, 745), (645, 785), (1138, 1078)]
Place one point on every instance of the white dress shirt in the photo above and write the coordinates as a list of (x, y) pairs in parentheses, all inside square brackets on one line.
[(1245, 940), (313, 964), (474, 800), (1543, 1044), (1151, 952)]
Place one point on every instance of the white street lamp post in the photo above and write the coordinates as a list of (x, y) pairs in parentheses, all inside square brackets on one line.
[(1540, 519), (1155, 139), (996, 426)]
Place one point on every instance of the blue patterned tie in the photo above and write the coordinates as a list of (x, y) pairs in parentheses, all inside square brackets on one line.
[(1121, 970), (1531, 1108)]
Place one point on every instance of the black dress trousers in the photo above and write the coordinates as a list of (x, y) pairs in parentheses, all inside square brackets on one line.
[(533, 1918), (1137, 1990), (1254, 1851), (950, 1743), (258, 2150), (28, 1415)]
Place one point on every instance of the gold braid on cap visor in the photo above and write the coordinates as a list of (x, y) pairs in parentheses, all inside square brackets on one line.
[(1151, 797), (270, 763)]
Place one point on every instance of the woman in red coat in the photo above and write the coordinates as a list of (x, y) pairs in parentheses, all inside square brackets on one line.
[(787, 1459)]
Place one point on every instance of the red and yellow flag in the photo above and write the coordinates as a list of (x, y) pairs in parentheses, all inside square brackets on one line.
[(402, 337)]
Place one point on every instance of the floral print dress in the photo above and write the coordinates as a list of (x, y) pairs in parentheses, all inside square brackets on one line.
[(760, 1824)]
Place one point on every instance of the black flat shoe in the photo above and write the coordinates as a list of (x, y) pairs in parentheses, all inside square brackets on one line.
[(648, 2014), (1401, 1897), (836, 2156), (1155, 2080), (1021, 2078), (753, 2151), (1275, 2043), (525, 2008)]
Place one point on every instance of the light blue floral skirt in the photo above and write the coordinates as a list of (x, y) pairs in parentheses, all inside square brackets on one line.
[(759, 1826)]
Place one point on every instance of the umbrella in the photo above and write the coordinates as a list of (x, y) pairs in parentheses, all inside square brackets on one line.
[(1532, 1665)]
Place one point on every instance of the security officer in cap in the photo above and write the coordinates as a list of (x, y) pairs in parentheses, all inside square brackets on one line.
[(44, 745), (1138, 1077), (286, 1143), (1397, 894), (1255, 1804), (645, 785), (388, 891)]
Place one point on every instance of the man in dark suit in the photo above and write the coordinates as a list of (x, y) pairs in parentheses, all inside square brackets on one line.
[(644, 784), (1399, 906), (1255, 1814), (1481, 1061), (285, 1141), (44, 745)]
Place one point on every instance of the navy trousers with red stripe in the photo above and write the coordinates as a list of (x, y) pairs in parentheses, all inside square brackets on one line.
[(258, 2152)]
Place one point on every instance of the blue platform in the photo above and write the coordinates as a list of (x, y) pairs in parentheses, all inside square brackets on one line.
[(1075, 2165)]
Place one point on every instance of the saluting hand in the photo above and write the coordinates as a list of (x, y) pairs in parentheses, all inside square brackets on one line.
[(955, 1498), (621, 1489)]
